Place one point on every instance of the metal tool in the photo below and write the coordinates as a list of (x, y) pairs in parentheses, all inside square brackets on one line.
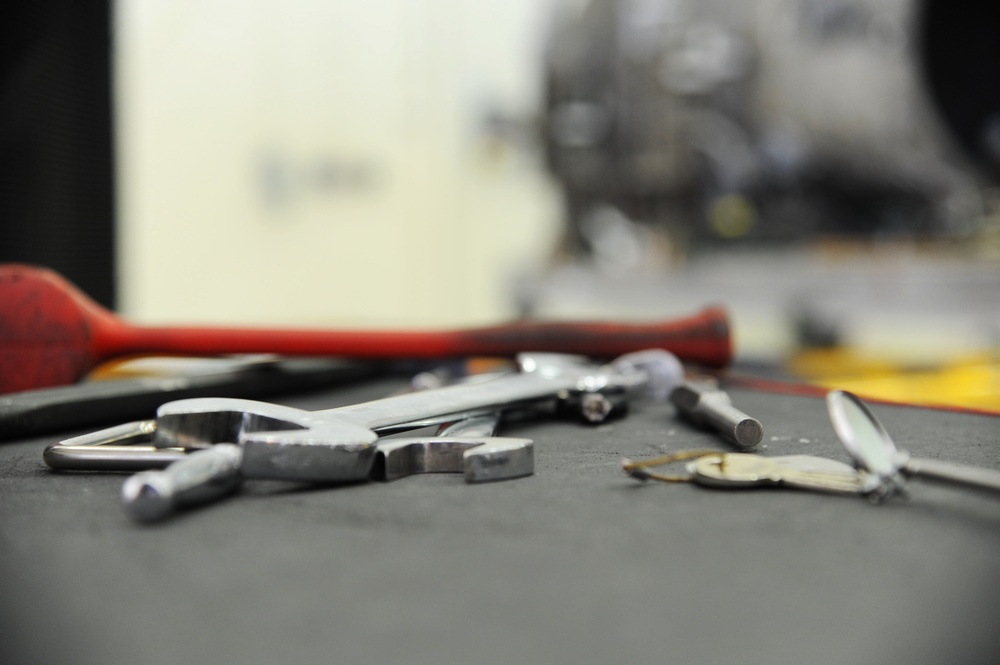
[(887, 467), (339, 445), (467, 446), (94, 403), (743, 470), (197, 478), (120, 448), (707, 406)]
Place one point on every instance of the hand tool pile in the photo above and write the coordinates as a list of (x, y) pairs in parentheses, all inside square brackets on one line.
[(206, 447), (202, 448)]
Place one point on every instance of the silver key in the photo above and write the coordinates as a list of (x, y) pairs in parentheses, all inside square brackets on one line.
[(799, 471)]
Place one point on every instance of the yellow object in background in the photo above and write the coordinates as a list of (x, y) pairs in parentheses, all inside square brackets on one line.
[(970, 382)]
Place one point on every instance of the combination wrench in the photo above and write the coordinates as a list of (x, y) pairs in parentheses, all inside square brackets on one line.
[(213, 443)]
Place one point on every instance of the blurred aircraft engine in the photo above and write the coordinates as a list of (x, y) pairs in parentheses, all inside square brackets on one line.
[(725, 120)]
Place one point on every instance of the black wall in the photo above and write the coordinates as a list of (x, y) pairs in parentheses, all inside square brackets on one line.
[(56, 140)]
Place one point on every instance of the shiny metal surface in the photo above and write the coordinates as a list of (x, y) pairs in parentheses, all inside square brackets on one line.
[(199, 477), (799, 471), (708, 406), (874, 451), (118, 448), (479, 459), (110, 458), (970, 476), (868, 442), (339, 444), (234, 439), (466, 446), (119, 434)]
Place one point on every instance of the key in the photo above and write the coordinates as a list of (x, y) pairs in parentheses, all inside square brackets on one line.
[(799, 471)]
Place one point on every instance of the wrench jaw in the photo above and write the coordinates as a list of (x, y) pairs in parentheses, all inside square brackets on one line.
[(201, 422), (345, 453), (502, 458), (479, 459), (279, 442)]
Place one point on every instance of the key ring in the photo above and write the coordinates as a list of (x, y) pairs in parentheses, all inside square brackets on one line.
[(639, 470)]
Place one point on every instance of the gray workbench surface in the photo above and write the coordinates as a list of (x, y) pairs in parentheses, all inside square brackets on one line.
[(576, 564)]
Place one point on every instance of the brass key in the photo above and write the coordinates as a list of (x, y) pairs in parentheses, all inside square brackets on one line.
[(800, 471)]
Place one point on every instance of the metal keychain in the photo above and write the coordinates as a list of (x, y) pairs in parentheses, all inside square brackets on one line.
[(744, 470), (887, 467), (798, 471), (880, 468)]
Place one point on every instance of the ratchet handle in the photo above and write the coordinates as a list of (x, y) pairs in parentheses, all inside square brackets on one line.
[(703, 338), (199, 477)]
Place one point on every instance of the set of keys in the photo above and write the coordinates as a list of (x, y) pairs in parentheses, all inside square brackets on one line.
[(742, 470), (880, 470)]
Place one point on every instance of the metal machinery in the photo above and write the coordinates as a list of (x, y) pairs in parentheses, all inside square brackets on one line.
[(761, 122)]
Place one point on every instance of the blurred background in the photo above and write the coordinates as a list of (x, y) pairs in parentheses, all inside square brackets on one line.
[(826, 169)]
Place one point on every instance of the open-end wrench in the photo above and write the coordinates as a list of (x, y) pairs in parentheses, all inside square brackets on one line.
[(339, 445), (468, 447)]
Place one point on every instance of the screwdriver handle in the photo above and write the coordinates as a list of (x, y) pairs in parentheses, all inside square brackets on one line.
[(52, 334), (703, 338)]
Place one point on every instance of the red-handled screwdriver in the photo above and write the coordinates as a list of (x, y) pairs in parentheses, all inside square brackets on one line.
[(52, 334)]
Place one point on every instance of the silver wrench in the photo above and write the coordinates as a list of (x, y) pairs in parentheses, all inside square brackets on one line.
[(339, 445), (465, 446)]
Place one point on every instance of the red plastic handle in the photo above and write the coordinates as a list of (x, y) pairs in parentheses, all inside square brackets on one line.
[(703, 339), (52, 334)]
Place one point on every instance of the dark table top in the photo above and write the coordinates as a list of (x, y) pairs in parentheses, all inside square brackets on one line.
[(576, 564)]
